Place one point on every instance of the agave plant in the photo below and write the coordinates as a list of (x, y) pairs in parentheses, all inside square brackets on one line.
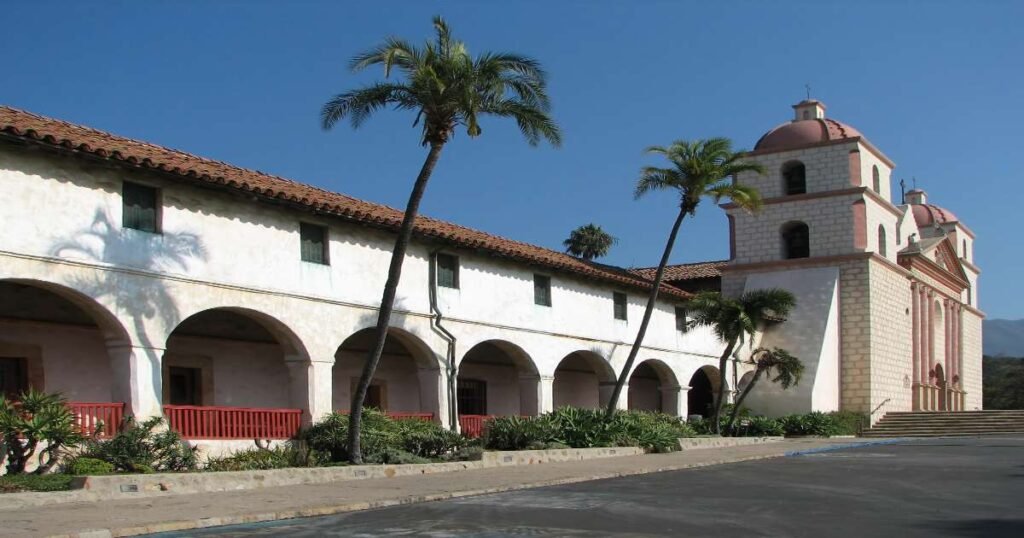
[(37, 418)]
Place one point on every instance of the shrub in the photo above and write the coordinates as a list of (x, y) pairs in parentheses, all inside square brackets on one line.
[(13, 483), (849, 422), (383, 440), (260, 459), (140, 448), (814, 423), (572, 427), (517, 433), (82, 466), (38, 418), (758, 426)]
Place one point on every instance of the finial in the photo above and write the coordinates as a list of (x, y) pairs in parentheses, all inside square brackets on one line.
[(903, 192), (808, 87)]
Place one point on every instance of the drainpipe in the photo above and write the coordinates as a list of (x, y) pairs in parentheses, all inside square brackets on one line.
[(435, 324)]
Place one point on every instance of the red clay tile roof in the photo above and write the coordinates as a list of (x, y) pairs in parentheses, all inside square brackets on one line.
[(134, 153), (685, 271)]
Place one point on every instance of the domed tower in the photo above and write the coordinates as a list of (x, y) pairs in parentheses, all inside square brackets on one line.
[(830, 233)]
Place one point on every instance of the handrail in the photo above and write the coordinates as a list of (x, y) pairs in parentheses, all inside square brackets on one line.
[(222, 423)]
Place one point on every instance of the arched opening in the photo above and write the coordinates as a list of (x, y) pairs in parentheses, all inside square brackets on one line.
[(796, 238), (653, 387), (794, 178), (876, 180), (882, 248), (964, 250), (744, 381), (583, 379), (55, 339), (229, 357), (497, 378), (703, 386), (940, 382), (407, 379)]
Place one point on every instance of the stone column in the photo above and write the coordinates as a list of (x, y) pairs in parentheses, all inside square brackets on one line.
[(137, 379), (434, 394), (915, 340), (948, 356), (546, 393), (310, 387), (530, 395), (927, 330), (604, 395), (673, 400)]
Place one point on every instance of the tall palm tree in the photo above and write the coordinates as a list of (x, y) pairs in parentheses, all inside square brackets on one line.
[(787, 372), (589, 242), (698, 169), (447, 88), (734, 320)]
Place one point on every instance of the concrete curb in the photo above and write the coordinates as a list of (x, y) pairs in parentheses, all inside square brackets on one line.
[(843, 446), (202, 523), (701, 443)]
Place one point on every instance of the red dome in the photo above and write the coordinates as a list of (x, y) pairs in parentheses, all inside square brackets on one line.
[(928, 214), (801, 133)]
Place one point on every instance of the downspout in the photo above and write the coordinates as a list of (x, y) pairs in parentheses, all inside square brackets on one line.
[(435, 324)]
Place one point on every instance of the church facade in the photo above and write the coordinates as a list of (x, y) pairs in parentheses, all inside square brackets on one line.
[(137, 279)]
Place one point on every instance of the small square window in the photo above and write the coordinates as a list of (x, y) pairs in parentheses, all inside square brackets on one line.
[(313, 241), (681, 319), (139, 207), (620, 305), (542, 290), (447, 271), (472, 396)]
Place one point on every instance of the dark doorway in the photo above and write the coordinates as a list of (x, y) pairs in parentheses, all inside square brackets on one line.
[(472, 397), (185, 385), (13, 377), (701, 396)]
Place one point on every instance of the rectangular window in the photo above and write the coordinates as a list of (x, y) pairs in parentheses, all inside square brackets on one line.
[(542, 290), (681, 319), (314, 243), (447, 271), (140, 207), (13, 377), (472, 394), (620, 305), (185, 385), (376, 394)]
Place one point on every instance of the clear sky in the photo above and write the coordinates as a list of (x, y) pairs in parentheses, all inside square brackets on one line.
[(935, 85)]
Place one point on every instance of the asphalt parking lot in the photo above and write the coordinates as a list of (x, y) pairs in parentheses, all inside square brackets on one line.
[(939, 487)]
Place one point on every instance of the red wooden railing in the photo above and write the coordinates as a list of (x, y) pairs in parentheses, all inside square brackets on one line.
[(401, 415), (90, 415), (200, 422), (472, 426)]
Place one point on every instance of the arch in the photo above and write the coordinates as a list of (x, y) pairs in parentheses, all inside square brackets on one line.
[(964, 250), (704, 385), (583, 379), (497, 377), (876, 179), (57, 339), (230, 356), (744, 381), (882, 247), (796, 238), (407, 378), (940, 383), (653, 386), (794, 178)]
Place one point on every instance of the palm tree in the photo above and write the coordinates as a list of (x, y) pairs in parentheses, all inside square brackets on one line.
[(447, 88), (734, 320), (788, 371), (701, 168), (589, 242)]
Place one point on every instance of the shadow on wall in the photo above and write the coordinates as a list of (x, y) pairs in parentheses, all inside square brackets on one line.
[(987, 528), (140, 297)]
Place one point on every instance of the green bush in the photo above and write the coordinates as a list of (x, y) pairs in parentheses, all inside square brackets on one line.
[(141, 448), (758, 426), (14, 483), (260, 459), (382, 439), (814, 423), (849, 422), (573, 427), (37, 420), (82, 466)]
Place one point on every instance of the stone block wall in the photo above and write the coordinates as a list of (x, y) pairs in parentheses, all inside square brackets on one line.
[(891, 322), (827, 169), (972, 359), (829, 220)]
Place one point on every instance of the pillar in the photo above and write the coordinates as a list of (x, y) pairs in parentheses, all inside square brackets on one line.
[(138, 379), (674, 400), (604, 395), (929, 348), (530, 397), (310, 387), (434, 394), (915, 341), (546, 393), (947, 310)]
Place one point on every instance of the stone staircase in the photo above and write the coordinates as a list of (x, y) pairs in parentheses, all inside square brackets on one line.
[(945, 424)]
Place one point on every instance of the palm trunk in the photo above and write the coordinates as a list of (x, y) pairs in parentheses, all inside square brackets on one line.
[(387, 302), (720, 397), (739, 401), (651, 303)]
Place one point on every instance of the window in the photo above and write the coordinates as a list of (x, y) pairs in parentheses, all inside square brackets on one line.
[(542, 290), (796, 241), (876, 180), (794, 177), (13, 377), (619, 300), (472, 395), (681, 319), (965, 250), (376, 394), (314, 243), (185, 385), (139, 207), (881, 241), (447, 271), (899, 235)]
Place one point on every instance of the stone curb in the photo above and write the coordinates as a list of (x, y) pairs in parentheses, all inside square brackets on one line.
[(184, 525)]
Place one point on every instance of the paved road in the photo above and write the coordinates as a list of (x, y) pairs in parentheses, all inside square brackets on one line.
[(941, 487)]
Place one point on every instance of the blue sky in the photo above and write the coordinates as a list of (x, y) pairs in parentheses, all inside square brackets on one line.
[(935, 85)]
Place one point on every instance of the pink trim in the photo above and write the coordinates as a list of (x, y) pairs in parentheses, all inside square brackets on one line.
[(860, 225), (855, 168)]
